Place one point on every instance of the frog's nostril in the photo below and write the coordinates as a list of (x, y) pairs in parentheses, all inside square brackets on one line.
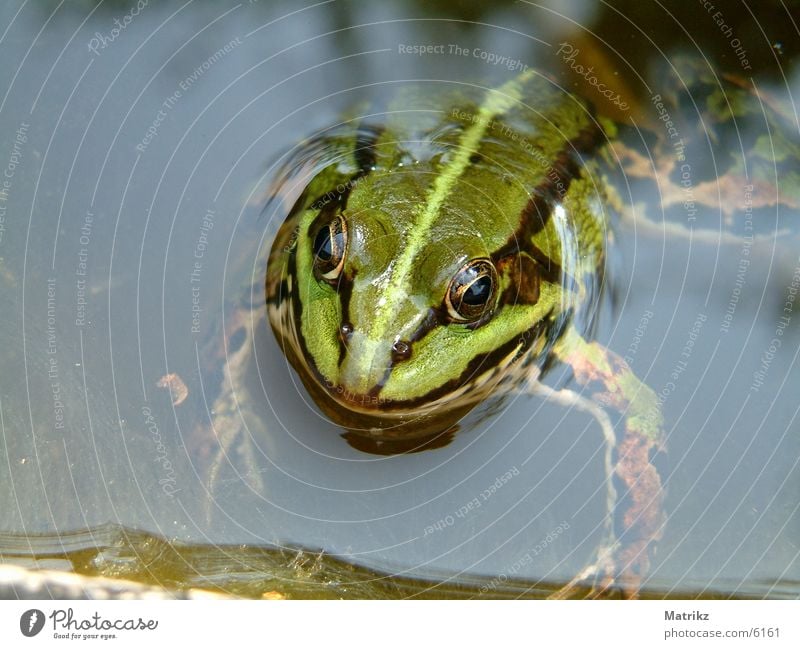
[(401, 351)]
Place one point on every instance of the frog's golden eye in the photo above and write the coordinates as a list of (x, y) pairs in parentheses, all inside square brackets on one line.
[(472, 291), (330, 247)]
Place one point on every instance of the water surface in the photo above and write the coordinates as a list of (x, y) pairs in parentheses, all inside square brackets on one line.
[(137, 143)]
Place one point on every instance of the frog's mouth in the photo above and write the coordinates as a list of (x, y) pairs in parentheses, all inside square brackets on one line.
[(375, 417), (372, 416)]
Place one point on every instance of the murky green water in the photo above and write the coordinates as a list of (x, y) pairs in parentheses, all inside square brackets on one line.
[(136, 143)]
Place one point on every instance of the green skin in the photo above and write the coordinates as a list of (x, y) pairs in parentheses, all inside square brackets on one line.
[(474, 174)]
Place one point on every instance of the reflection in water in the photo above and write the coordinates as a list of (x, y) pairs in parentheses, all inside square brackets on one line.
[(244, 571), (113, 276), (238, 570)]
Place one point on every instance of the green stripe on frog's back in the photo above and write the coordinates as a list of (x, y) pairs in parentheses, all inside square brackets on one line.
[(529, 159), (497, 103)]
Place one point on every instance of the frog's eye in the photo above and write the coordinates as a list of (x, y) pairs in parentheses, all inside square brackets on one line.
[(330, 246), (472, 291)]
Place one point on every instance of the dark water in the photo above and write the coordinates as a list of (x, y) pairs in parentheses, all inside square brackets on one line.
[(137, 144)]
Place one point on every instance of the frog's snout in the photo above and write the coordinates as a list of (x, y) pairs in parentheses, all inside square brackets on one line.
[(366, 363), (401, 349)]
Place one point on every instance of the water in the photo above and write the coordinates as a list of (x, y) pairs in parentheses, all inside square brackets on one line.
[(136, 165)]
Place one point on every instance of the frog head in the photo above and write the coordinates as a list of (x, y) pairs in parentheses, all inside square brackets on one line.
[(404, 293)]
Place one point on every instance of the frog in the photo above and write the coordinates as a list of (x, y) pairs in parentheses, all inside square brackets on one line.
[(448, 251), (399, 341)]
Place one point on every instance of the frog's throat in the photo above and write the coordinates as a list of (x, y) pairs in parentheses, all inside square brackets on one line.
[(370, 415)]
